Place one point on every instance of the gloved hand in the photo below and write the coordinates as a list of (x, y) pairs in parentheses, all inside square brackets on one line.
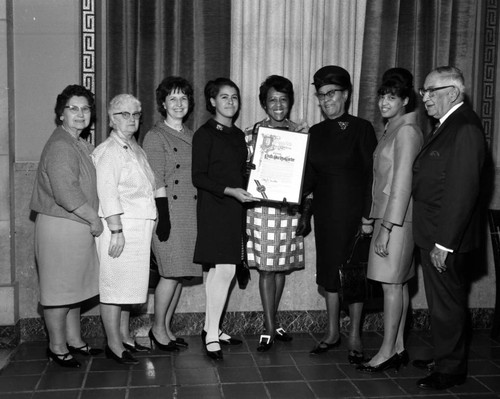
[(249, 166), (291, 209), (163, 226), (304, 224)]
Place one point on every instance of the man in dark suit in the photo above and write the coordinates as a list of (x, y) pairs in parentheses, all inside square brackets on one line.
[(446, 183)]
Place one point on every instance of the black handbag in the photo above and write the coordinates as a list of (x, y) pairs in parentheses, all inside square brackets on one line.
[(242, 268), (242, 274), (154, 274), (354, 286)]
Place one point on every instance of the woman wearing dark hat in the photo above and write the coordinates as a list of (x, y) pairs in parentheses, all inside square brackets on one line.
[(339, 175)]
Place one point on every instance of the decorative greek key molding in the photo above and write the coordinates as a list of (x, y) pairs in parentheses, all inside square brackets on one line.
[(88, 59), (490, 49)]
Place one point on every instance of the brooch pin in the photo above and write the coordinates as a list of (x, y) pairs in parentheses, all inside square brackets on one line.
[(219, 127), (343, 125)]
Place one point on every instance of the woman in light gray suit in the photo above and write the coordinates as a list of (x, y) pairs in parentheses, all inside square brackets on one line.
[(391, 250)]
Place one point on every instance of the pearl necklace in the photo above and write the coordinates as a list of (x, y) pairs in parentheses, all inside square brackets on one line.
[(172, 127)]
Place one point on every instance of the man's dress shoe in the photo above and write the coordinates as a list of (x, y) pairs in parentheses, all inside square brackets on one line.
[(440, 381)]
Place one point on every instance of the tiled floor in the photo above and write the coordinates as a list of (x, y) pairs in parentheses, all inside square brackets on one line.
[(286, 371)]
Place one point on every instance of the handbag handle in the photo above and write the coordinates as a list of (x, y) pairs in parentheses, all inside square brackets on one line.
[(356, 239)]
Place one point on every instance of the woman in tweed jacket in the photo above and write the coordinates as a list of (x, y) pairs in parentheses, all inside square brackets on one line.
[(168, 146)]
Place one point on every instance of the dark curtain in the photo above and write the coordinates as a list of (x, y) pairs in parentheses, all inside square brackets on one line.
[(418, 35), (148, 40)]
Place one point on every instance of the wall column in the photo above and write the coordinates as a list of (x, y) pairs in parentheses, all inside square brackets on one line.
[(9, 309)]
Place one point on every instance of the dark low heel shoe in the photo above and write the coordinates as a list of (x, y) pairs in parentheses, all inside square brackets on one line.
[(214, 355), (392, 362), (229, 341), (135, 347), (125, 358), (323, 347), (265, 343), (63, 360), (170, 347), (355, 357), (281, 335), (84, 350), (404, 357)]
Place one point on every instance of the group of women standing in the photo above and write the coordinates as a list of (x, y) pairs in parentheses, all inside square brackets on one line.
[(179, 174)]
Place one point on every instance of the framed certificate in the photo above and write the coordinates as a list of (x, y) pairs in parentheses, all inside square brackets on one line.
[(279, 158)]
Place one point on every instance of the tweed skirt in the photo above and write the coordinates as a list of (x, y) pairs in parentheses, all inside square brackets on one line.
[(66, 255)]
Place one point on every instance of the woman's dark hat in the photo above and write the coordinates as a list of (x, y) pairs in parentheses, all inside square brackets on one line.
[(332, 75)]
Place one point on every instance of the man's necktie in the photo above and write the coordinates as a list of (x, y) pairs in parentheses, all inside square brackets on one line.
[(431, 134)]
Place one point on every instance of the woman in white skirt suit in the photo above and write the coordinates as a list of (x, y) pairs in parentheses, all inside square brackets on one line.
[(391, 250), (125, 186)]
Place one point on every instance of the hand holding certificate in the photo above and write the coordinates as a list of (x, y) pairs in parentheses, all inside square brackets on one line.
[(279, 159)]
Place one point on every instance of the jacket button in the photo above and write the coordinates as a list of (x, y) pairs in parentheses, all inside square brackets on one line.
[(175, 197), (175, 149), (176, 182), (177, 166)]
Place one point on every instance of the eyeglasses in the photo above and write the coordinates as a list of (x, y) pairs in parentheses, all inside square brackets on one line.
[(431, 91), (126, 115), (329, 94), (75, 109)]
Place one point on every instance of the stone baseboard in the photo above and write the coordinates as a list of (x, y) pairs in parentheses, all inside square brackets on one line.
[(10, 336), (246, 323)]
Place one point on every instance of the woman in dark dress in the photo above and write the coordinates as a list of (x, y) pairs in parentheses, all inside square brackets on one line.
[(338, 174), (218, 168)]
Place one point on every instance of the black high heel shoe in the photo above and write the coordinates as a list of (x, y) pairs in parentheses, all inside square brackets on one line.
[(404, 357), (135, 347), (392, 362), (215, 355), (265, 343), (84, 350), (62, 360), (125, 358), (181, 343), (170, 347)]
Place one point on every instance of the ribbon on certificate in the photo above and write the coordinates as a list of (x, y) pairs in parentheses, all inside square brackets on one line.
[(261, 189)]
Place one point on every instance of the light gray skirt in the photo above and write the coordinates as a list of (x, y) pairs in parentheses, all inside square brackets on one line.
[(397, 267)]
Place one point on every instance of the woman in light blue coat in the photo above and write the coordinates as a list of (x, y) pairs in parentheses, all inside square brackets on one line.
[(391, 251)]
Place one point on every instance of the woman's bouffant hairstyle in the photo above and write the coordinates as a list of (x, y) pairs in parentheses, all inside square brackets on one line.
[(69, 92), (278, 83), (213, 87), (399, 82), (170, 85)]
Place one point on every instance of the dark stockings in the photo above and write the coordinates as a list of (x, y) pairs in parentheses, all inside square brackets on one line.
[(271, 285)]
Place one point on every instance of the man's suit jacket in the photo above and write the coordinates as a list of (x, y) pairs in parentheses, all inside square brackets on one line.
[(392, 170), (446, 184)]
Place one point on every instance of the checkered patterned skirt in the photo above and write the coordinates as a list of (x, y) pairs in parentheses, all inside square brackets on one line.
[(272, 245)]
